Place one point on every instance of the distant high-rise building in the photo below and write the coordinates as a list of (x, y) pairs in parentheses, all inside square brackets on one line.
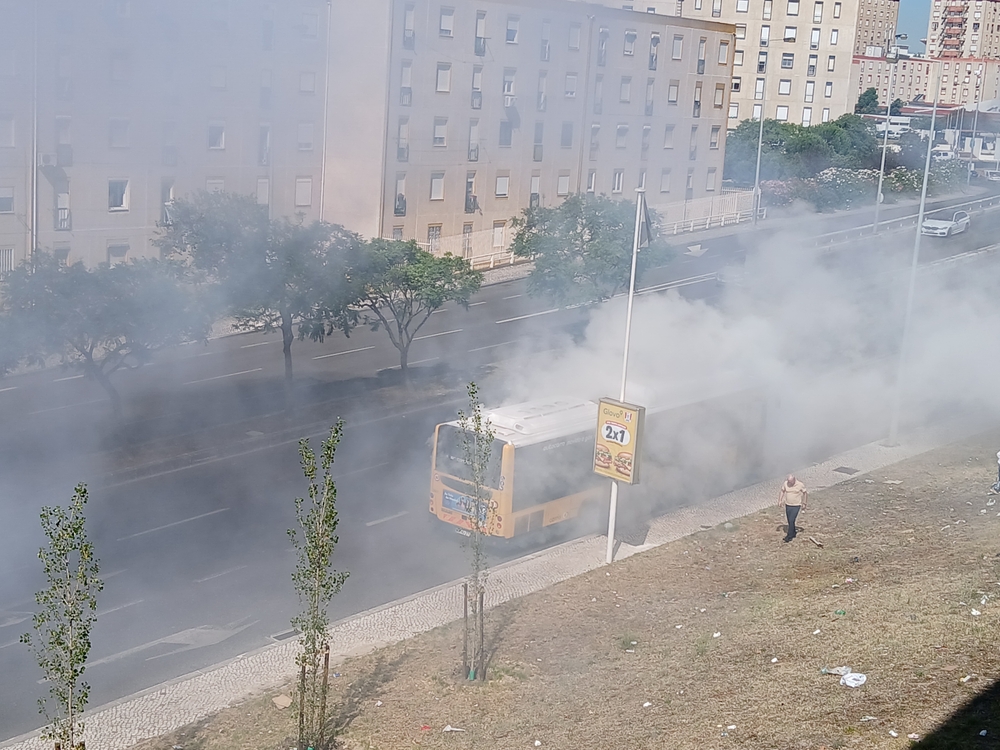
[(963, 29), (876, 26), (396, 118)]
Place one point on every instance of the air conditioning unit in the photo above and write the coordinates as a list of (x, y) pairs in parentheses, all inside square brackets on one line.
[(46, 160), (509, 100)]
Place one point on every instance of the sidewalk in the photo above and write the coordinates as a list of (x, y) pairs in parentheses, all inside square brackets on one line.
[(175, 704)]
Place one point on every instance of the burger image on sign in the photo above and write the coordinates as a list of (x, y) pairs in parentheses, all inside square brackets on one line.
[(623, 464), (602, 456)]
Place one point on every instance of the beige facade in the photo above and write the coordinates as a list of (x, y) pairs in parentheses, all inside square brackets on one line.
[(963, 29), (876, 26), (792, 59), (495, 106), (962, 81)]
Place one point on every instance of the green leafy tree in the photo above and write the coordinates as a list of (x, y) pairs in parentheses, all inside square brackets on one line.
[(397, 286), (896, 108), (582, 248), (66, 613), (274, 274), (316, 583), (867, 102), (98, 320), (477, 454)]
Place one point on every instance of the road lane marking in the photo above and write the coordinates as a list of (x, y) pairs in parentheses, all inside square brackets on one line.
[(476, 304), (71, 377), (359, 471), (491, 346), (119, 607), (12, 388), (422, 361), (219, 575), (220, 377), (259, 343), (514, 296), (9, 643), (68, 406), (529, 315), (433, 335), (349, 351), (387, 518), (438, 311), (171, 525)]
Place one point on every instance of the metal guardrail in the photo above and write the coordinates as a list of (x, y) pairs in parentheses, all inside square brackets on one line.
[(904, 222), (707, 222)]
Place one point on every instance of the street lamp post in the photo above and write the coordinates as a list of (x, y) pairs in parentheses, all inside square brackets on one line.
[(897, 392), (885, 142), (760, 146), (972, 147)]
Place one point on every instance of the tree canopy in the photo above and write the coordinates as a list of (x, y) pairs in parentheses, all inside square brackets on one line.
[(582, 248), (396, 285), (867, 102), (791, 150), (98, 320)]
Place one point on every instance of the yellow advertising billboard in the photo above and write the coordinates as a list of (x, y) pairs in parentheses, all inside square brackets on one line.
[(618, 440)]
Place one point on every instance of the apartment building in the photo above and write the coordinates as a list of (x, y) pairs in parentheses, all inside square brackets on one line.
[(792, 58), (877, 21), (959, 80), (963, 29), (497, 106), (415, 119)]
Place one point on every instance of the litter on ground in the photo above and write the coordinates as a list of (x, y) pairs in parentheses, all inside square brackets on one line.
[(840, 671), (853, 679), (450, 728)]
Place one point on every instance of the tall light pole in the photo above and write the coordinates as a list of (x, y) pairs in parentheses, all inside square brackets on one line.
[(975, 124), (760, 146), (900, 366), (636, 235), (894, 58)]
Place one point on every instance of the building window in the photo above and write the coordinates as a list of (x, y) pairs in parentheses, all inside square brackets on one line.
[(440, 131), (831, 63), (828, 90), (737, 83), (6, 260), (310, 25), (215, 185), (303, 192), (668, 136), (723, 53), (765, 35), (654, 49), (734, 111), (787, 60), (437, 186), (305, 136), (762, 62), (508, 81), (117, 252), (625, 92), (781, 113), (826, 114), (738, 58), (836, 10), (506, 132), (571, 85), (566, 137), (814, 39), (399, 208), (630, 37), (499, 232), (409, 23), (592, 181), (574, 36), (263, 191), (810, 91), (446, 23), (758, 91), (542, 99), (265, 89), (790, 33), (434, 238), (742, 6), (217, 136), (502, 186), (672, 89), (811, 67), (834, 37), (807, 113), (741, 31), (118, 195), (6, 200), (118, 134), (264, 146), (665, 181), (618, 181), (217, 77), (513, 24), (713, 139), (443, 78), (716, 8), (785, 86), (818, 12), (397, 234), (710, 180), (307, 82), (720, 95), (793, 8), (621, 136), (678, 48), (562, 184)]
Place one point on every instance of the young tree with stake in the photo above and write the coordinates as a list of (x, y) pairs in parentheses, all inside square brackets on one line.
[(66, 613), (316, 583), (477, 453)]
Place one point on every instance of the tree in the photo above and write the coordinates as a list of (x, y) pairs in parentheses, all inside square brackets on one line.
[(582, 248), (316, 583), (274, 274), (97, 320), (896, 108), (66, 613), (397, 286), (867, 102), (477, 454)]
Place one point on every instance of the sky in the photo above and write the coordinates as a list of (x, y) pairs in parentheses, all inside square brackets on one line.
[(913, 16)]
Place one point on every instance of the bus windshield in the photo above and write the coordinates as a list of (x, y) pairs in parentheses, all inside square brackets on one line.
[(451, 457)]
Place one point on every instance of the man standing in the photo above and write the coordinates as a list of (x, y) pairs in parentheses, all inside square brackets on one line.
[(792, 496)]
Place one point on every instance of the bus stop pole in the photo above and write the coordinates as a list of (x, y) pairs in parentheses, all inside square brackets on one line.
[(613, 511)]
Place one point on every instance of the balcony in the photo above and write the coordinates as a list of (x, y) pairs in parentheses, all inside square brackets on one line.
[(64, 155), (399, 209), (409, 39), (405, 96), (480, 47), (701, 67), (477, 99), (471, 204), (403, 152), (534, 201), (536, 154), (63, 220), (474, 152), (649, 109)]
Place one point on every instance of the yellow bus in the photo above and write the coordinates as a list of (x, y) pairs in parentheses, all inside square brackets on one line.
[(541, 462)]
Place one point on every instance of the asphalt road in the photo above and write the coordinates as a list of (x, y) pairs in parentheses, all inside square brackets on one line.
[(196, 560)]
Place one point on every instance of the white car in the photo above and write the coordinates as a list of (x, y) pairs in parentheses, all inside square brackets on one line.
[(946, 227)]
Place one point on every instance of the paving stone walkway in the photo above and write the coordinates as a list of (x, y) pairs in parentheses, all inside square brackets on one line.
[(188, 699)]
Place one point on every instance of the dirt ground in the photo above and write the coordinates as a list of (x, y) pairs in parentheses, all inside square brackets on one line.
[(717, 640)]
